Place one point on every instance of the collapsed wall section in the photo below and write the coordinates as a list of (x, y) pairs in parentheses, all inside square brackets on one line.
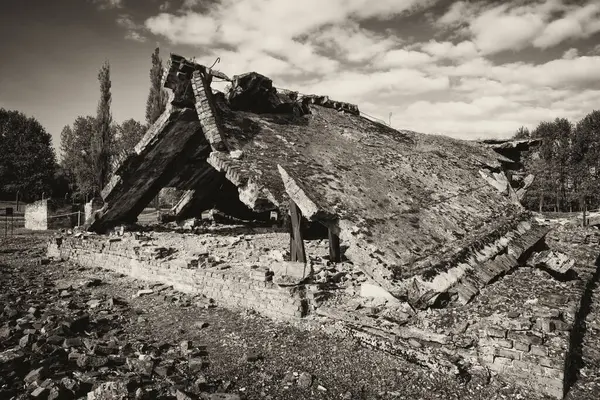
[(226, 286)]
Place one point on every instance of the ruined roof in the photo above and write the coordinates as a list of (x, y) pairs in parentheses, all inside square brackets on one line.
[(400, 200), (398, 197)]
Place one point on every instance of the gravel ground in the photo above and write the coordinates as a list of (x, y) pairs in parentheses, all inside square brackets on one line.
[(243, 353)]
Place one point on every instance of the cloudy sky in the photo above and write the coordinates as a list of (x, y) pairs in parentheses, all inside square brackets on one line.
[(467, 69)]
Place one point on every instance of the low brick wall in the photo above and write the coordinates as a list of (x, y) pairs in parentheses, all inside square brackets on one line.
[(36, 216), (530, 350), (231, 287)]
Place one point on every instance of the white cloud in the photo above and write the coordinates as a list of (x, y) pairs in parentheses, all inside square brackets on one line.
[(578, 23), (571, 54), (463, 50), (457, 13), (501, 29), (354, 43), (293, 32), (402, 58), (125, 21), (133, 30), (192, 28), (579, 71), (357, 87), (227, 19), (135, 36), (442, 85), (515, 25)]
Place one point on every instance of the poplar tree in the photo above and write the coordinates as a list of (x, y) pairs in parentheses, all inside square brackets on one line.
[(157, 98), (104, 131)]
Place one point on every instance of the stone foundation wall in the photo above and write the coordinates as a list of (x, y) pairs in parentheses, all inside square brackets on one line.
[(225, 285), (36, 216)]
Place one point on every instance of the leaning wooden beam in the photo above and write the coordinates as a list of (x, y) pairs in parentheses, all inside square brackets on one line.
[(163, 152), (335, 254), (297, 251)]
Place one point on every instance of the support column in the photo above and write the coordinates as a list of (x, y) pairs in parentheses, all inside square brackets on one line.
[(297, 252), (335, 254)]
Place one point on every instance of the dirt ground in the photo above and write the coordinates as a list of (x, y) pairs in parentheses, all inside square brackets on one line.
[(243, 355)]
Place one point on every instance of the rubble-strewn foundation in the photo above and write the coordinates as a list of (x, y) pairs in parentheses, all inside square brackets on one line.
[(519, 326), (251, 290)]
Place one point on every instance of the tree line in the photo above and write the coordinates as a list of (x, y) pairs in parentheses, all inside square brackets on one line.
[(90, 146), (566, 164)]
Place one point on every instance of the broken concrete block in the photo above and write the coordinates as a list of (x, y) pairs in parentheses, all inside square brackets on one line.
[(368, 289), (554, 261)]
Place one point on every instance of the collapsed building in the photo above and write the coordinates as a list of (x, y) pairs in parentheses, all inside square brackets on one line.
[(424, 227)]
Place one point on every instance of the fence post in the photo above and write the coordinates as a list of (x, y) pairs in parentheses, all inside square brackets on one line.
[(78, 218)]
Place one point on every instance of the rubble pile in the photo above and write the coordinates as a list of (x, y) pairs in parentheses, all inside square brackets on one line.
[(255, 148), (60, 342)]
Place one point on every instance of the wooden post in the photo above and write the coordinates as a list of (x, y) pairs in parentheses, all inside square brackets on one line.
[(335, 254), (297, 252)]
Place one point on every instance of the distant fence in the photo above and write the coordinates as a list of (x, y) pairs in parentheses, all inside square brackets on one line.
[(11, 220)]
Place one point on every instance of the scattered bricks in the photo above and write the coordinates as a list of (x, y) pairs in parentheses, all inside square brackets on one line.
[(261, 274), (548, 314), (542, 361), (486, 358), (521, 346), (506, 343), (539, 350), (551, 362), (519, 324), (196, 364), (40, 393), (562, 326), (72, 342), (85, 361), (525, 337), (26, 340), (35, 375), (495, 332), (140, 366), (545, 325), (529, 367), (507, 353), (501, 365)]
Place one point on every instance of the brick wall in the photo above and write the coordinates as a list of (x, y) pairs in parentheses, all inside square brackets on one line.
[(228, 286), (530, 350), (36, 216), (206, 111)]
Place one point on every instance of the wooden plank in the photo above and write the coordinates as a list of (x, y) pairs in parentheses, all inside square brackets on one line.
[(297, 248), (335, 254)]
